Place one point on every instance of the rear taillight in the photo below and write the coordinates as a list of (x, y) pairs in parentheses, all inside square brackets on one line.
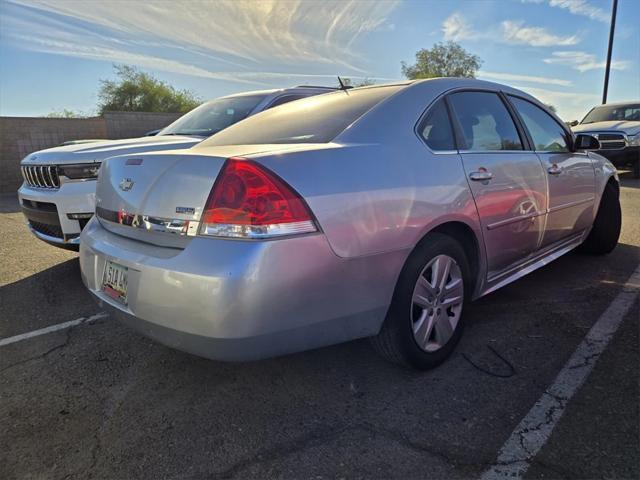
[(249, 201)]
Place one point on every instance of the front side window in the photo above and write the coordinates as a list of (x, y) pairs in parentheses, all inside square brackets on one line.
[(546, 133), (213, 116), (436, 128), (485, 121)]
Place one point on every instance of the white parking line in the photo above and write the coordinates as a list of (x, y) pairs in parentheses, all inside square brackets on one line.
[(535, 428), (52, 328)]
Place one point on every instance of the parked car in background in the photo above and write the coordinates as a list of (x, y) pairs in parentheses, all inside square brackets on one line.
[(58, 192), (617, 127), (378, 211), (84, 140)]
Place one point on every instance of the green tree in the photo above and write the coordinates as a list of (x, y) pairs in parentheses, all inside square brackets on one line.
[(136, 91), (443, 60), (65, 113), (348, 81), (365, 82)]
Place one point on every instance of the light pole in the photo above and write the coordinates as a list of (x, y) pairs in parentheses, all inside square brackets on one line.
[(608, 66)]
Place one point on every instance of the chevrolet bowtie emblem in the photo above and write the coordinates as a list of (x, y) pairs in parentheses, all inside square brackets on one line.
[(126, 184)]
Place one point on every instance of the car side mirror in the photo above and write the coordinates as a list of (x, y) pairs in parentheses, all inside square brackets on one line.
[(586, 142)]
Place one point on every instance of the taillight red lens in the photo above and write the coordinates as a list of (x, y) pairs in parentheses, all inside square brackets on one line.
[(247, 200)]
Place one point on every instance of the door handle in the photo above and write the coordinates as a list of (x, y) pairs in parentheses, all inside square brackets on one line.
[(554, 169), (481, 175)]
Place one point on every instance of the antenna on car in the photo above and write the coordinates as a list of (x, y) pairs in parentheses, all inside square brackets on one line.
[(343, 86)]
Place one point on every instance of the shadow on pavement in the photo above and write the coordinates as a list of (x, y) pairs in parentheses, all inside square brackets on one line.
[(627, 180), (45, 298), (9, 203)]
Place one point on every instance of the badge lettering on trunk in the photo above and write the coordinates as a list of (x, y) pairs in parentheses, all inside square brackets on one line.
[(126, 184), (188, 210)]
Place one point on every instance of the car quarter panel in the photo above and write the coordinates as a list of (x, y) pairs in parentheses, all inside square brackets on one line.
[(377, 198), (382, 189)]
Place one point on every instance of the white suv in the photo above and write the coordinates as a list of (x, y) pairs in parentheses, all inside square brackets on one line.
[(58, 192)]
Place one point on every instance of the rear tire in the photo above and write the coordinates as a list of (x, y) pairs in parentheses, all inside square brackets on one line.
[(605, 233), (425, 319)]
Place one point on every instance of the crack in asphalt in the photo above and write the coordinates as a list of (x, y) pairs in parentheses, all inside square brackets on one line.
[(315, 438), (323, 436), (41, 355)]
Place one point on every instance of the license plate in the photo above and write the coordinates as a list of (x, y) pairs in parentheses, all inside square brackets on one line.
[(114, 281)]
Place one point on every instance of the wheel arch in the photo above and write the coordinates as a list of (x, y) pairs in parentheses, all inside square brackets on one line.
[(467, 238), (614, 182)]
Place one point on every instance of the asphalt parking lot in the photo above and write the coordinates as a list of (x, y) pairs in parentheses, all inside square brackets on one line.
[(100, 401)]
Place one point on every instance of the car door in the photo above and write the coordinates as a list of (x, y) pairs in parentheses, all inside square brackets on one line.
[(507, 182), (570, 175)]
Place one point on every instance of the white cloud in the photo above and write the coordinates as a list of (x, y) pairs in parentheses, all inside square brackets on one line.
[(582, 7), (570, 105), (511, 77), (577, 7), (456, 28), (517, 32), (115, 55), (264, 43), (583, 61), (253, 31)]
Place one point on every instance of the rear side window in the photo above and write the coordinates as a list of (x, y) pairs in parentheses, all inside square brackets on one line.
[(546, 133), (317, 119), (436, 128), (485, 121)]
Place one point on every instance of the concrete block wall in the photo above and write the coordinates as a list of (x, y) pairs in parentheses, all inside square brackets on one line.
[(136, 124), (20, 136)]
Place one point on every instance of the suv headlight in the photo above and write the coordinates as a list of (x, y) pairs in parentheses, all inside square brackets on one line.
[(80, 171), (634, 140)]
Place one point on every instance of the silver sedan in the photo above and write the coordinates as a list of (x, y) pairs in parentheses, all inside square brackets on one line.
[(371, 212)]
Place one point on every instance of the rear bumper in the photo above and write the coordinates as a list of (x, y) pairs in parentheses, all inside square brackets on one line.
[(242, 300)]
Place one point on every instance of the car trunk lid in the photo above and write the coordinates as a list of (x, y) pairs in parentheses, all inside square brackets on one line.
[(159, 197)]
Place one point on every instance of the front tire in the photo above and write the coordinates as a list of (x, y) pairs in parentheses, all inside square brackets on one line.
[(604, 234), (424, 322)]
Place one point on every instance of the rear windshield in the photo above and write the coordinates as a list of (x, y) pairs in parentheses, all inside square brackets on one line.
[(610, 112), (317, 119), (213, 116)]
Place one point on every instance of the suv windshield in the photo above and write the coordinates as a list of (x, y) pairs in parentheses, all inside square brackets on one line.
[(316, 119), (619, 112), (213, 116)]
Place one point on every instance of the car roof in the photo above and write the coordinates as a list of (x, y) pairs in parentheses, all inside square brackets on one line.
[(272, 91)]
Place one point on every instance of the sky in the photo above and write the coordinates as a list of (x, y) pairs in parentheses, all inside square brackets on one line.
[(53, 53)]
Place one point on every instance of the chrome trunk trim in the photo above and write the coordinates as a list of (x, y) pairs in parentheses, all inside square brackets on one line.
[(174, 226)]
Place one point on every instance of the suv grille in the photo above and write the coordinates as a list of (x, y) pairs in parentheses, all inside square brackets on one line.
[(50, 230), (41, 176), (611, 141)]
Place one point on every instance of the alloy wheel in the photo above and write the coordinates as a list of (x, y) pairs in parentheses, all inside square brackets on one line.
[(436, 304)]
